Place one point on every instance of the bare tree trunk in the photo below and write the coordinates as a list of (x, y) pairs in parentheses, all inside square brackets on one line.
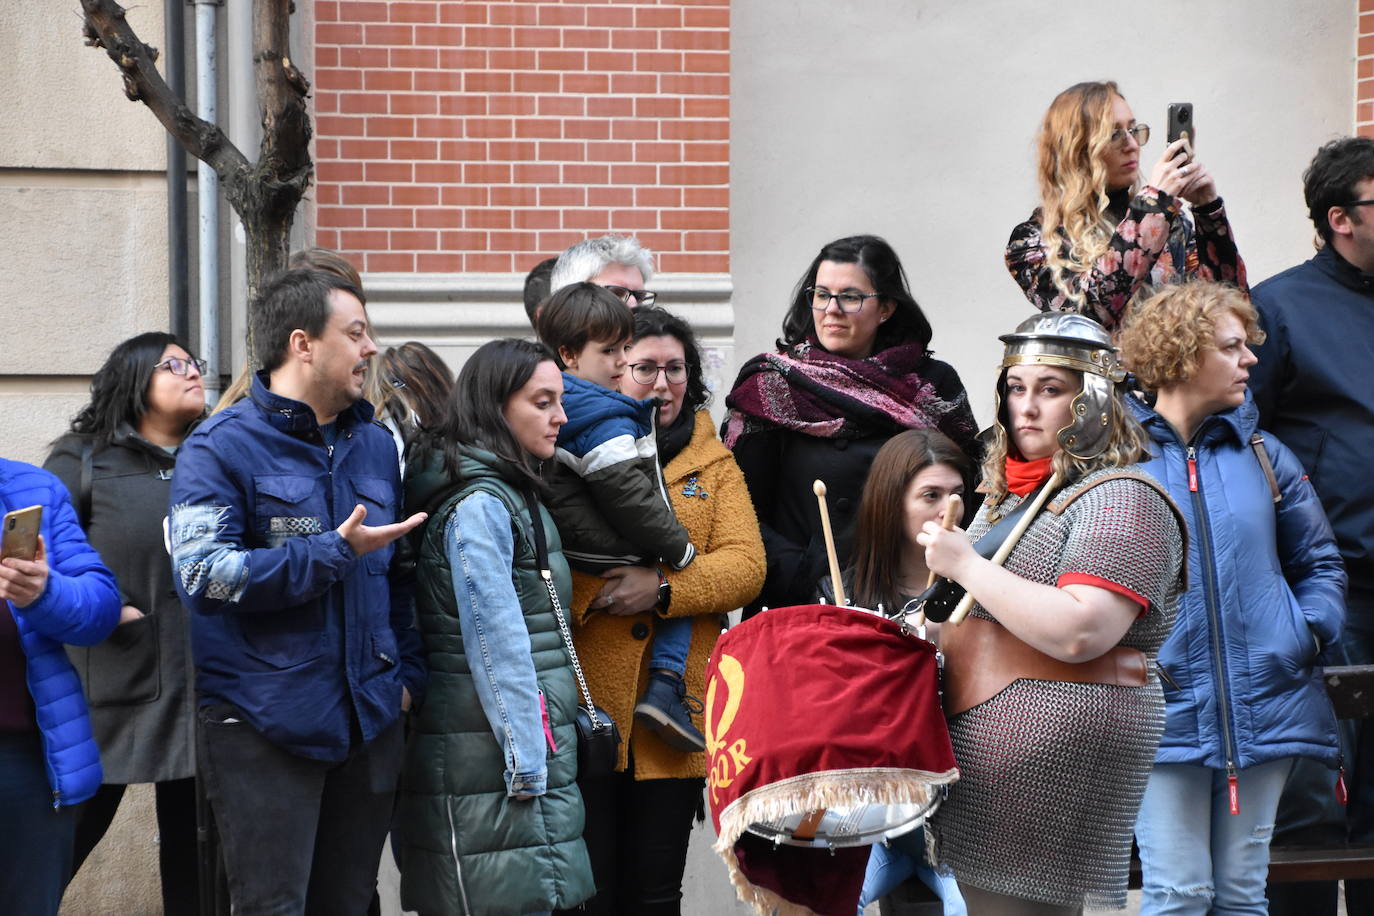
[(264, 194)]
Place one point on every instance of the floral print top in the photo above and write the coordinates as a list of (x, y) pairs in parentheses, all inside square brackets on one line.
[(1154, 244)]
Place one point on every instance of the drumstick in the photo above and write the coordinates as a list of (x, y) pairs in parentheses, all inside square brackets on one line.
[(819, 489), (806, 830), (966, 603), (954, 508)]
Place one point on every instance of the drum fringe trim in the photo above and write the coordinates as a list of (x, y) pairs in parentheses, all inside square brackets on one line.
[(807, 792)]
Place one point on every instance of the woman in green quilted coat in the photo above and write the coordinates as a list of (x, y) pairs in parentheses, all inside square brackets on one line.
[(491, 817)]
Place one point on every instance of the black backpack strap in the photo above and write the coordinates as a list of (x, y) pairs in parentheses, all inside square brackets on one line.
[(1262, 455), (83, 501)]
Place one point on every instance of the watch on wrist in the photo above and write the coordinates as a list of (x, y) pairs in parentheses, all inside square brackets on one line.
[(665, 591)]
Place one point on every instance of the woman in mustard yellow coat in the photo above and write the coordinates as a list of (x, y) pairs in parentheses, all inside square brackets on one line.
[(639, 819)]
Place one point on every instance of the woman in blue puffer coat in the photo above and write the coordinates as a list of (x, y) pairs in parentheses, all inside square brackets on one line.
[(1266, 592), (49, 763)]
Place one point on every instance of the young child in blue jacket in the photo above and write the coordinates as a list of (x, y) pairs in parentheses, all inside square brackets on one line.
[(608, 497)]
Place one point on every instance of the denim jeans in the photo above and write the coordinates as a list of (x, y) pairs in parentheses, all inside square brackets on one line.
[(35, 839), (1198, 858), (299, 835), (671, 642), (890, 865)]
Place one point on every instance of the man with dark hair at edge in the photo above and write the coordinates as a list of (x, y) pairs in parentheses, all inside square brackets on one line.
[(284, 510), (1313, 390), (537, 288)]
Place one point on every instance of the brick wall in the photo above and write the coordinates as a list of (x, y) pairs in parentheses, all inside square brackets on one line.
[(463, 136), (1364, 70)]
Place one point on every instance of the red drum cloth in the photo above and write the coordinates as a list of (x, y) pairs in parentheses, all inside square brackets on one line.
[(816, 707)]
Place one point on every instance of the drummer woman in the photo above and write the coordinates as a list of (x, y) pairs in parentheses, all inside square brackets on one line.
[(910, 483), (1054, 709), (853, 368), (1099, 233)]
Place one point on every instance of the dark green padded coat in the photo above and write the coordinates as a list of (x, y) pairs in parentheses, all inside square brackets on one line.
[(466, 848)]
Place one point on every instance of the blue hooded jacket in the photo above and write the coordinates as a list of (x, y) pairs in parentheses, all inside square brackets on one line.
[(1266, 590), (607, 494), (80, 606)]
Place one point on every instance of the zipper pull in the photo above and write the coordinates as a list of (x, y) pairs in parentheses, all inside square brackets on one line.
[(1192, 476), (1341, 795), (1233, 788), (548, 730)]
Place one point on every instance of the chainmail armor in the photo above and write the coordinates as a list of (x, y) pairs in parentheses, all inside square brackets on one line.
[(1052, 773)]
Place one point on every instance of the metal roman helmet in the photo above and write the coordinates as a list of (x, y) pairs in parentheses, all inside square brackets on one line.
[(1071, 341)]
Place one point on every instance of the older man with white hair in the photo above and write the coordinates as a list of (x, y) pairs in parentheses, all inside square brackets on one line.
[(617, 262)]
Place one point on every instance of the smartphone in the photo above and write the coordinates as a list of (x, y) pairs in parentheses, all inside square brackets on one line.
[(19, 533), (1181, 123)]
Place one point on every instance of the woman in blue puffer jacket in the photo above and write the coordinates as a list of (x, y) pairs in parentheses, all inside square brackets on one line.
[(49, 763), (1266, 591)]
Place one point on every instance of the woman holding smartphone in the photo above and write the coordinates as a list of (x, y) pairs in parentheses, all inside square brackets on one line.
[(117, 461), (1099, 234)]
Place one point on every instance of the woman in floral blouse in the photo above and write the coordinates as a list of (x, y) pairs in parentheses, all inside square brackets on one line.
[(1113, 234)]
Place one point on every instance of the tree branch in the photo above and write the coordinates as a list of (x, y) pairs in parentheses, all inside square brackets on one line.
[(106, 27), (284, 164)]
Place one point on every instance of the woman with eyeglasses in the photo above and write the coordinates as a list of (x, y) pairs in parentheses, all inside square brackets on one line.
[(639, 820), (117, 462), (852, 369), (1109, 234)]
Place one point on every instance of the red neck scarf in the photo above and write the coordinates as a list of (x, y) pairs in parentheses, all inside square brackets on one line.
[(1024, 476)]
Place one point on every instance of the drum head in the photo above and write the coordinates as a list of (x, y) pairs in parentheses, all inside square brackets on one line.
[(841, 827)]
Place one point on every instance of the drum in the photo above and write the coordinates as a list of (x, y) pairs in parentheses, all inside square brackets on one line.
[(824, 734)]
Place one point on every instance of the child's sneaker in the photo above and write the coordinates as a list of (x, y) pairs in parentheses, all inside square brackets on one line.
[(666, 708)]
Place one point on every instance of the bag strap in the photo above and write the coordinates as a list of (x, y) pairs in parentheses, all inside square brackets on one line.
[(1262, 455), (83, 502), (541, 554)]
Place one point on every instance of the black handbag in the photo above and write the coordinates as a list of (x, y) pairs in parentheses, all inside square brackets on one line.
[(598, 742), (598, 738)]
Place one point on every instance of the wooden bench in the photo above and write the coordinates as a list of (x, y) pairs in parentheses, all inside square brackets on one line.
[(1351, 689)]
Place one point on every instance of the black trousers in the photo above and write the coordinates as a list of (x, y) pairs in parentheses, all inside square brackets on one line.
[(298, 835), (637, 835), (176, 827), (1310, 815)]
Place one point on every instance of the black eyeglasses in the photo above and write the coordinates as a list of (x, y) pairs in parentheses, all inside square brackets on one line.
[(850, 301), (1357, 203), (642, 296), (1141, 132), (647, 373), (178, 366)]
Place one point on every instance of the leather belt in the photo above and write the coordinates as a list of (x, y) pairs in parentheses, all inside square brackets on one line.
[(982, 658)]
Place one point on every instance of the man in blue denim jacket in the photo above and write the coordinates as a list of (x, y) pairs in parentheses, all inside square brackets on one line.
[(305, 645)]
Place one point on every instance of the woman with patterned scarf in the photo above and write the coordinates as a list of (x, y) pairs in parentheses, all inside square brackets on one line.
[(852, 369)]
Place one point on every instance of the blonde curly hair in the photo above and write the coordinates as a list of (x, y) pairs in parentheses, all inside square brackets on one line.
[(1072, 173), (1164, 336)]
